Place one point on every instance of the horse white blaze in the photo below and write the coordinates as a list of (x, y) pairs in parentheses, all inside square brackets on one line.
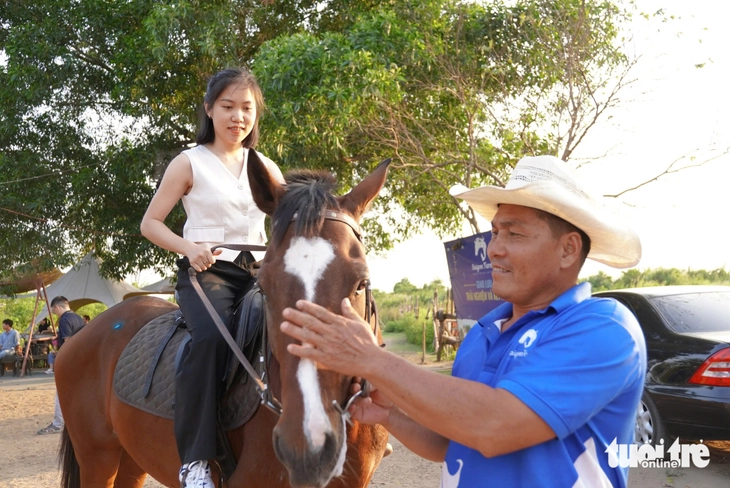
[(339, 468), (316, 424), (307, 258)]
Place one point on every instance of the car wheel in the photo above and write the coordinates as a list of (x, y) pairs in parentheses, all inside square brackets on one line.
[(649, 428)]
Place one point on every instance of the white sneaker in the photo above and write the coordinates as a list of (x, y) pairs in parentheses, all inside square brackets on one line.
[(196, 475), (51, 429), (49, 371)]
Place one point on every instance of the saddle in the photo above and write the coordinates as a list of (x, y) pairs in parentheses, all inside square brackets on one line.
[(144, 377)]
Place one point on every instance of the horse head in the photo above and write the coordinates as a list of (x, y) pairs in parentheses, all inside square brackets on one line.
[(315, 253)]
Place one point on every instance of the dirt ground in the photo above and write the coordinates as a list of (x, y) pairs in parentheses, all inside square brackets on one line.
[(30, 461)]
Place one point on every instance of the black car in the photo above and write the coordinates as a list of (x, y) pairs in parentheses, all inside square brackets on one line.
[(687, 386)]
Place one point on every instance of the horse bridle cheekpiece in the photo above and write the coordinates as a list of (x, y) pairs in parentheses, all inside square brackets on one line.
[(267, 398)]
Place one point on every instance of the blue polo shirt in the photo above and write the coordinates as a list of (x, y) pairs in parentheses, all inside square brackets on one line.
[(580, 365), (9, 339)]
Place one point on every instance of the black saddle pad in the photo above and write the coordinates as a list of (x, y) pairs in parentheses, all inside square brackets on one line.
[(145, 374)]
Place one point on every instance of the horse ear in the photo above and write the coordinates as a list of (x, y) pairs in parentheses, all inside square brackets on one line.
[(358, 200), (265, 189)]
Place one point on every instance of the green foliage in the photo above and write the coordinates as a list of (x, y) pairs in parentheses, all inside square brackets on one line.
[(404, 286), (396, 310), (413, 329), (19, 310), (455, 91), (92, 309), (97, 96), (634, 278)]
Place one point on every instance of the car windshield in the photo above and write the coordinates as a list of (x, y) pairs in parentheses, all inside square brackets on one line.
[(696, 312)]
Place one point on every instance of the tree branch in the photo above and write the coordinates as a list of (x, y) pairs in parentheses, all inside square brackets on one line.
[(670, 170)]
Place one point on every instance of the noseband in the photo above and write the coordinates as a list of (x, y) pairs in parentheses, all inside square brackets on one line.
[(267, 398)]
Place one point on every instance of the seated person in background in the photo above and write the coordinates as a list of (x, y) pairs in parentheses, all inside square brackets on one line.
[(87, 319), (44, 326), (9, 340)]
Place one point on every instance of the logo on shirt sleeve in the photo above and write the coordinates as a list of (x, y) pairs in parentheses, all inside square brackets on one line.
[(449, 480), (527, 339)]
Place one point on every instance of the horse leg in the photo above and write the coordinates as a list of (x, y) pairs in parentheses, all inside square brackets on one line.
[(107, 465), (159, 458), (130, 475), (83, 399), (100, 468)]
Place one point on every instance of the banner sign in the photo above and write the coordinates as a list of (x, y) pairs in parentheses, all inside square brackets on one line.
[(471, 278)]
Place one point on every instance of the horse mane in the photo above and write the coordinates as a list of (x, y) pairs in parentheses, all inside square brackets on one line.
[(308, 193)]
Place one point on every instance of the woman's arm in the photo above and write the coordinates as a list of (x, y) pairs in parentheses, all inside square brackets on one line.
[(176, 182)]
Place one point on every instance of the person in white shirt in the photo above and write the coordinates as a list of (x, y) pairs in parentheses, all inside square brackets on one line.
[(212, 182)]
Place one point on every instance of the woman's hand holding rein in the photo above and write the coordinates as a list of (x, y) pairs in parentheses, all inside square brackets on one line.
[(200, 256)]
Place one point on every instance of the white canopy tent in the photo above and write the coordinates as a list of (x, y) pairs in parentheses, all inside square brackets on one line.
[(82, 285), (162, 287)]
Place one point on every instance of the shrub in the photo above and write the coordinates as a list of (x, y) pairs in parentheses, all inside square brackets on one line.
[(412, 328)]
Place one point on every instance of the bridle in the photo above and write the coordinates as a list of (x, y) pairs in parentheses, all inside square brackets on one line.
[(267, 397), (337, 216)]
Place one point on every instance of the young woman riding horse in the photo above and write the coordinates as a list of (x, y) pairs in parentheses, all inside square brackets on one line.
[(316, 254), (211, 181)]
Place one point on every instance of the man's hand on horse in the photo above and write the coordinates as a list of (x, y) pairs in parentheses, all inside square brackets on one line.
[(342, 343), (371, 409)]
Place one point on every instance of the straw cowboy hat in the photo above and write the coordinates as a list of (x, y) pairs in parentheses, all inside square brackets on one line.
[(548, 184)]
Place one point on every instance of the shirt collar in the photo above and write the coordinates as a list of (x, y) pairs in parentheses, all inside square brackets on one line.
[(567, 299), (572, 296)]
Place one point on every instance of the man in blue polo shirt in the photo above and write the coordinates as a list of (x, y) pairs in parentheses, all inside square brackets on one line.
[(541, 385)]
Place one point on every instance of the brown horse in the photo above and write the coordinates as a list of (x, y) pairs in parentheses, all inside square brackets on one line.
[(315, 253)]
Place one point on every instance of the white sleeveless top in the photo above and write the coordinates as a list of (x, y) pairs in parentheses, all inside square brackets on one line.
[(219, 207)]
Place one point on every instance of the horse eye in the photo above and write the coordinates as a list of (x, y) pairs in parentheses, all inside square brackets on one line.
[(361, 287)]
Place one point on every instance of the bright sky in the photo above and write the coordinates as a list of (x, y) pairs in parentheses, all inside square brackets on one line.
[(673, 109)]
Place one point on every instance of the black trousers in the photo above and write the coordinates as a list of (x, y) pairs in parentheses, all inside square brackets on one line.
[(198, 381)]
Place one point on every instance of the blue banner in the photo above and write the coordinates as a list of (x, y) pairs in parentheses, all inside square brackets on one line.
[(471, 278)]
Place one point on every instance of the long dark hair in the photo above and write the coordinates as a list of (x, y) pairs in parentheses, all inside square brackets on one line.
[(219, 82)]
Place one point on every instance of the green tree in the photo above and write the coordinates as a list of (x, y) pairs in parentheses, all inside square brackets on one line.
[(633, 278), (600, 281), (19, 310), (92, 309), (405, 287), (97, 96), (455, 91)]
